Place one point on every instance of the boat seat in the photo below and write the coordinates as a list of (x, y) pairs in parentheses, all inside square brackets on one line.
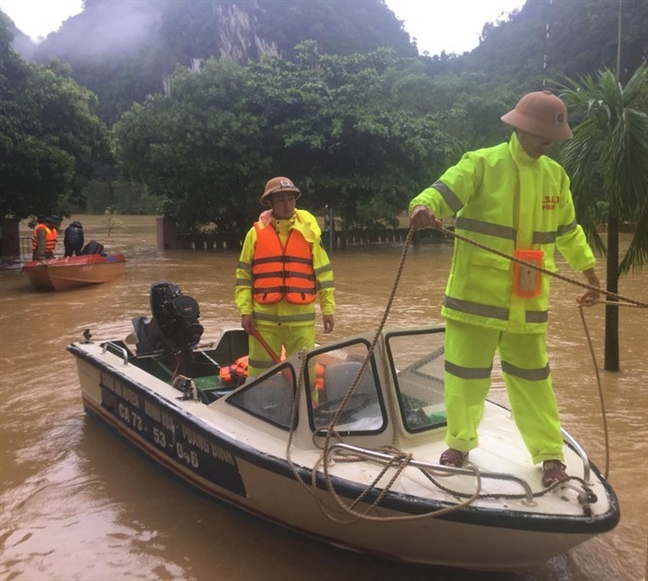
[(338, 378)]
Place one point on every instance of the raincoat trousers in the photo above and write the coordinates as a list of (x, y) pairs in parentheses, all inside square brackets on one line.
[(506, 200)]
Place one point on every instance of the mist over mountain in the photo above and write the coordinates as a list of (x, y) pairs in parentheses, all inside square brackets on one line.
[(124, 50), (21, 43)]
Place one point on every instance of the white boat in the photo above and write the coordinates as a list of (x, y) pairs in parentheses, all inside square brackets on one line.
[(358, 469)]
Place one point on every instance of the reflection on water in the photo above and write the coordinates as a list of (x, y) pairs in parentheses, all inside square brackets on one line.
[(79, 504)]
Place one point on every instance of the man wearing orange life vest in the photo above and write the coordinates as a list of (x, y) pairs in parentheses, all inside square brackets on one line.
[(282, 269), (44, 238), (515, 199)]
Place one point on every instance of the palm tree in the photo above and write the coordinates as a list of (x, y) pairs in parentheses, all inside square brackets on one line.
[(606, 160)]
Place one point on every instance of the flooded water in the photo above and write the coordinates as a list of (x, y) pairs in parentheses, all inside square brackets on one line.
[(78, 503)]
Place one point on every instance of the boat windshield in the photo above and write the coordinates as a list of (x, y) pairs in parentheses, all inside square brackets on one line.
[(417, 362), (270, 397), (330, 372)]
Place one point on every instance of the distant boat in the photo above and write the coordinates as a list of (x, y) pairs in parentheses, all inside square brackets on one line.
[(74, 271), (377, 488)]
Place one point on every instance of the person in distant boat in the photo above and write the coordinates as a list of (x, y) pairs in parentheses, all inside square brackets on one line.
[(282, 269), (73, 239), (514, 199), (44, 238)]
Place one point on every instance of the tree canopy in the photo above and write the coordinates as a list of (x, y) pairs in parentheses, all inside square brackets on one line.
[(49, 134), (334, 124)]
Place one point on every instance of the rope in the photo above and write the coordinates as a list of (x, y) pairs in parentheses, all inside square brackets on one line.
[(618, 301), (600, 391), (607, 293), (400, 460)]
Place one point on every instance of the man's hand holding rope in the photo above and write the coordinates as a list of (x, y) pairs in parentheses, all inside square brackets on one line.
[(591, 297), (423, 217)]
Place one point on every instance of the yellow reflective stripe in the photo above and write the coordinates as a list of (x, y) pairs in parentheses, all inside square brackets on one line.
[(488, 228), (449, 196), (567, 228), (472, 308), (284, 318), (243, 282), (326, 284), (468, 372), (325, 268), (543, 238), (244, 266), (537, 316), (529, 374)]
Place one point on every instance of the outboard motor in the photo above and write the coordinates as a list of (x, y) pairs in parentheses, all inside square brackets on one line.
[(174, 326)]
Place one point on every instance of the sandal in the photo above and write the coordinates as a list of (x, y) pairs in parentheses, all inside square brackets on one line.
[(553, 471), (452, 457)]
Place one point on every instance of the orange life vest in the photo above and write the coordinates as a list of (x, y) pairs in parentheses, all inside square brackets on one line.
[(51, 235), (319, 376), (235, 373), (279, 272)]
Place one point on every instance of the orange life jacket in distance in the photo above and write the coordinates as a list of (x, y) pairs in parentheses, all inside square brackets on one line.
[(50, 237), (279, 272), (236, 373)]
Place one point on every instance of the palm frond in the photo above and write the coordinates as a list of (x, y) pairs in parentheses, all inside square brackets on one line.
[(606, 159)]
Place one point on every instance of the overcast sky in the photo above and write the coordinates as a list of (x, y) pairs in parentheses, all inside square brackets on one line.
[(437, 25)]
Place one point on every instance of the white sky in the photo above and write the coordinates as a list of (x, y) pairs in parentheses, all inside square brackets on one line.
[(437, 25)]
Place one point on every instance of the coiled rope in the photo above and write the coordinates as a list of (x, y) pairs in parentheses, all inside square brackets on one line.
[(401, 459)]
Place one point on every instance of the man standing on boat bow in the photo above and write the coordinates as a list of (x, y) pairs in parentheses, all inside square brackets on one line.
[(283, 267), (514, 199)]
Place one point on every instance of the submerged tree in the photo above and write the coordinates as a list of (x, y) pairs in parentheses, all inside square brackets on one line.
[(608, 156)]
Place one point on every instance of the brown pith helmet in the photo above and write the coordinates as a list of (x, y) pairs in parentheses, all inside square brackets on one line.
[(540, 113), (279, 184)]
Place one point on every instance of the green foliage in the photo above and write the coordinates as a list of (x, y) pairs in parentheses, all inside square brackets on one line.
[(124, 196), (334, 124), (357, 127), (345, 133), (608, 154), (111, 219), (49, 134), (551, 37), (97, 195), (200, 146)]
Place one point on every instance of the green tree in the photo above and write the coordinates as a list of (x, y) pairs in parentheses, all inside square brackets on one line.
[(334, 124), (344, 131), (49, 134), (608, 155), (199, 146)]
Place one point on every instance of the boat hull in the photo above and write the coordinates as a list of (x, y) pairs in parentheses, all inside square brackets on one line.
[(57, 274), (180, 436)]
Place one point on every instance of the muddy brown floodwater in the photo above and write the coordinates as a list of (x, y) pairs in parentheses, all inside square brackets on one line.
[(78, 503)]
